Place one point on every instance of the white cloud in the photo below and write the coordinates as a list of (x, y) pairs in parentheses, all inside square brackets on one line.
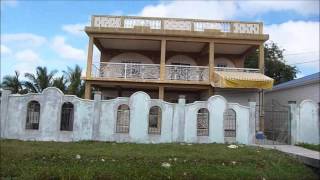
[(226, 9), (300, 39), (24, 39), (27, 55), (26, 61), (5, 50), (192, 9), (65, 50), (75, 29)]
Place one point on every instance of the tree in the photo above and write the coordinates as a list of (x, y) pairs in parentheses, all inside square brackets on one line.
[(37, 83), (13, 83), (76, 85), (275, 64), (60, 83)]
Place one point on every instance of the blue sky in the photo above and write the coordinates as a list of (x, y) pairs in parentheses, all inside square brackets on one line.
[(51, 33)]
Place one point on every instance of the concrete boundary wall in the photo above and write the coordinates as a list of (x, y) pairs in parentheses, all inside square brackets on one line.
[(305, 122), (96, 119)]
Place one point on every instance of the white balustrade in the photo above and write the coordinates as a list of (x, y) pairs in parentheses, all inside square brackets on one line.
[(152, 71), (228, 69), (176, 24), (187, 73), (126, 70)]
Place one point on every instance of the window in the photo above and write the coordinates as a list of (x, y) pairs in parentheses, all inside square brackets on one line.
[(154, 120), (123, 119), (203, 122), (229, 123), (67, 116), (33, 115)]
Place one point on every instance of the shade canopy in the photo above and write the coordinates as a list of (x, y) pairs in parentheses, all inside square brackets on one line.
[(227, 79)]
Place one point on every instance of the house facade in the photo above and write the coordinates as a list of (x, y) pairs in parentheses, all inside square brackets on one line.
[(168, 58)]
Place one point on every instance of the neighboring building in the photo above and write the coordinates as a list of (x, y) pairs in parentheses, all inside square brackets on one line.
[(169, 57), (297, 90)]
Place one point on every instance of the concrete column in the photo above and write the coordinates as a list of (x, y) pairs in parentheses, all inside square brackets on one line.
[(161, 92), (180, 108), (87, 90), (96, 115), (211, 61), (252, 122), (294, 124), (261, 58), (89, 57), (163, 60), (4, 111)]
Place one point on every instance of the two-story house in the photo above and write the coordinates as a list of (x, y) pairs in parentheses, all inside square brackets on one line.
[(170, 57)]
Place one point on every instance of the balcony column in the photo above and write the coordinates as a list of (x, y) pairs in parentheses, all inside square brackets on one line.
[(87, 90), (261, 58), (211, 61), (163, 60), (89, 57)]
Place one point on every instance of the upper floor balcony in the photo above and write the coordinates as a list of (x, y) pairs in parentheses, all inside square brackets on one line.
[(175, 26)]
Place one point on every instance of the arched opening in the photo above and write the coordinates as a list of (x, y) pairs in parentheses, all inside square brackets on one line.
[(67, 117), (229, 123), (155, 117), (203, 122), (123, 119), (33, 115)]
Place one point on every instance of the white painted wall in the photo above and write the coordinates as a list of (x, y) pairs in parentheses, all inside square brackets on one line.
[(308, 123), (96, 119)]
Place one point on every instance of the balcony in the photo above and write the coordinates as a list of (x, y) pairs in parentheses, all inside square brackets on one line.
[(174, 24), (136, 72)]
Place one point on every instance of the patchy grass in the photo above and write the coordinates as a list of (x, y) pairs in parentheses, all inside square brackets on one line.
[(315, 147), (100, 160)]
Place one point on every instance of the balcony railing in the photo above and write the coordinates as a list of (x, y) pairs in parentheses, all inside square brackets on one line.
[(149, 71), (152, 71), (187, 73), (228, 69), (177, 24), (126, 70)]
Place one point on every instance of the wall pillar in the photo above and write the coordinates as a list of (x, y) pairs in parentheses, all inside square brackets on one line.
[(4, 111), (293, 120), (96, 115), (87, 90), (163, 60), (252, 122), (161, 92), (211, 61)]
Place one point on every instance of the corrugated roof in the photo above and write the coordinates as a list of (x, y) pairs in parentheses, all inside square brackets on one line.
[(298, 82)]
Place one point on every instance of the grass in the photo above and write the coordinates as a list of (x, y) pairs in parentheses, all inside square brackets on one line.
[(315, 147), (100, 160)]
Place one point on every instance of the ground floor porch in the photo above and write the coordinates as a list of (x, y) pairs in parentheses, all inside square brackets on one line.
[(172, 92)]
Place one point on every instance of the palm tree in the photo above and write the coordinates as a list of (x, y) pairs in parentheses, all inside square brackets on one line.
[(60, 83), (76, 85), (13, 83), (37, 83)]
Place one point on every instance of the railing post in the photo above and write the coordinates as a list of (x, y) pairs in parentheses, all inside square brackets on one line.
[(211, 61), (125, 70), (163, 60)]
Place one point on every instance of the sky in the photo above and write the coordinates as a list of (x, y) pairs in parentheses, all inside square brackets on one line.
[(50, 33)]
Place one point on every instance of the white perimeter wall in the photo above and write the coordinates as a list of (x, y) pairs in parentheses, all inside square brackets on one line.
[(96, 119)]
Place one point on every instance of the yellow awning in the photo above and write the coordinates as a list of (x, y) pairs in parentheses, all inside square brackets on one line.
[(228, 79)]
